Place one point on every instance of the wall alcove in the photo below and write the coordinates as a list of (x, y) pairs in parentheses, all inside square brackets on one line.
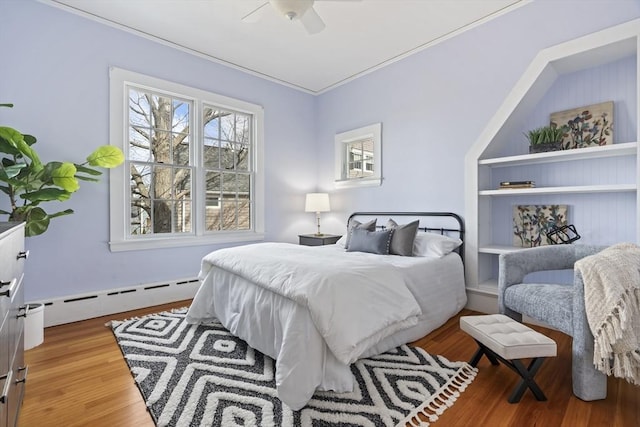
[(599, 183)]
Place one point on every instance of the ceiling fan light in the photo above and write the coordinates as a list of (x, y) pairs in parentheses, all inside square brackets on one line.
[(292, 9)]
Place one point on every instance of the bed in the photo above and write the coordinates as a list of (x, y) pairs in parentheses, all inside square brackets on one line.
[(316, 310)]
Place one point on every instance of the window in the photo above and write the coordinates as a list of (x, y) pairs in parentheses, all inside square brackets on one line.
[(192, 173), (358, 157)]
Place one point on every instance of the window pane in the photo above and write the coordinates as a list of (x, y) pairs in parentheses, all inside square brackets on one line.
[(162, 216), (211, 153), (180, 117), (211, 122), (212, 218), (139, 147), (244, 187), (181, 149), (229, 214), (229, 185), (242, 157), (360, 161), (161, 146), (140, 181), (162, 182), (162, 112), (242, 128), (182, 217), (244, 213), (227, 156), (139, 109), (140, 221), (227, 126), (182, 183)]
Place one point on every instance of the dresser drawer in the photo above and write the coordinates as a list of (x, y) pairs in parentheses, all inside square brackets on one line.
[(12, 258)]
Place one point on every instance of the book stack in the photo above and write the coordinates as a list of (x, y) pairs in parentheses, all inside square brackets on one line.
[(516, 184)]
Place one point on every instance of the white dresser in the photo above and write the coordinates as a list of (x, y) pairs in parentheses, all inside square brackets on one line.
[(13, 372)]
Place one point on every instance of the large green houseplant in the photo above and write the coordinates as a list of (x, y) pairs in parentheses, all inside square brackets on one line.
[(28, 182)]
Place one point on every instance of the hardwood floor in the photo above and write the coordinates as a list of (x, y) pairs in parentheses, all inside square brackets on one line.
[(78, 377)]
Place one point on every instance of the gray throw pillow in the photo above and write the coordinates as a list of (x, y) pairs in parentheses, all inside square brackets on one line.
[(375, 242), (403, 237), (353, 224)]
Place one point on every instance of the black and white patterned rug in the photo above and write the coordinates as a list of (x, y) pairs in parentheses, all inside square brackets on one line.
[(201, 375)]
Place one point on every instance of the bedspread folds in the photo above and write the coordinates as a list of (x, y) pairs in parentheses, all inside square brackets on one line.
[(353, 302)]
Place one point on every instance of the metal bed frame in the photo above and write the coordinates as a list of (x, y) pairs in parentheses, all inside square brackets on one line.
[(458, 226)]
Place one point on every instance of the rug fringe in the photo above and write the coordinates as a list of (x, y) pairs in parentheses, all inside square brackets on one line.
[(444, 398)]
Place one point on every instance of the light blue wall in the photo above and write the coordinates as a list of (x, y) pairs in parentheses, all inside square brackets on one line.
[(55, 70), (434, 104)]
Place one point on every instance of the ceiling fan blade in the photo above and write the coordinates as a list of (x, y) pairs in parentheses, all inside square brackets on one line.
[(256, 14), (312, 22)]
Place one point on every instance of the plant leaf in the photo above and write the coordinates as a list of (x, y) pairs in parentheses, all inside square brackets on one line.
[(61, 213), (87, 170), (6, 105), (47, 195), (16, 139), (37, 222), (64, 177), (4, 212), (106, 156), (8, 172)]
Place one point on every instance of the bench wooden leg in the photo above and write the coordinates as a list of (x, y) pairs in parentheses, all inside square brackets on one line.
[(483, 350), (527, 380), (526, 374)]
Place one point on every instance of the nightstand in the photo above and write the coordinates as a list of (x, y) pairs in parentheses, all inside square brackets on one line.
[(314, 240)]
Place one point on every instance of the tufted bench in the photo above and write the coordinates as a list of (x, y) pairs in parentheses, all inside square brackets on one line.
[(501, 338)]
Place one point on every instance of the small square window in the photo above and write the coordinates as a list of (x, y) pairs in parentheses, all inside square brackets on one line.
[(358, 157)]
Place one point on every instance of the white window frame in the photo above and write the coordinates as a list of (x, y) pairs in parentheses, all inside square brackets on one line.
[(374, 132), (119, 178)]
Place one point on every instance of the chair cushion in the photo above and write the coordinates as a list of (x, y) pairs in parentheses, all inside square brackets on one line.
[(545, 302)]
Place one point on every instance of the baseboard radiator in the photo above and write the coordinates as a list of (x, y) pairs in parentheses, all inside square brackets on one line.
[(86, 306)]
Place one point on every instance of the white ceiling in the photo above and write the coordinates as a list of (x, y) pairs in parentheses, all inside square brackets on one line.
[(360, 35)]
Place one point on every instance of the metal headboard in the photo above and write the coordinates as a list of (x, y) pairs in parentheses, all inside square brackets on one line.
[(457, 229)]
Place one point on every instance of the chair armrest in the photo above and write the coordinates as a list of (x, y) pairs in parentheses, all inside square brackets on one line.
[(514, 266)]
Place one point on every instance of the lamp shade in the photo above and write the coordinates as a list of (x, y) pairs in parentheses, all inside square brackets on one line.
[(317, 202)]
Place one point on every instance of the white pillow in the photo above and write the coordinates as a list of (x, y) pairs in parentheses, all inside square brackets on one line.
[(342, 242), (432, 244)]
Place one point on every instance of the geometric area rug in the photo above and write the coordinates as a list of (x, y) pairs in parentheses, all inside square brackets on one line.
[(201, 375)]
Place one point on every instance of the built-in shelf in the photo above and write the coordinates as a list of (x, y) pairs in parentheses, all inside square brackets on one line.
[(498, 249), (598, 152), (486, 206), (613, 188)]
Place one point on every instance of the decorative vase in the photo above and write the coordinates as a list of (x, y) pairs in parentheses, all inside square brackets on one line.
[(543, 148)]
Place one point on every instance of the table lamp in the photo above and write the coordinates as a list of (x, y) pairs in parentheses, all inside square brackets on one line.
[(317, 202)]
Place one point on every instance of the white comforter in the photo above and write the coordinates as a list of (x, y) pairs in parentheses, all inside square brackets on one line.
[(340, 306)]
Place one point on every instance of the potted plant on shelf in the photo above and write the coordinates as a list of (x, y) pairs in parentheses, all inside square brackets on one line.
[(28, 182), (545, 138)]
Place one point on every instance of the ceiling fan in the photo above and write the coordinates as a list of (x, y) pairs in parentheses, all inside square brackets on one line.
[(294, 10)]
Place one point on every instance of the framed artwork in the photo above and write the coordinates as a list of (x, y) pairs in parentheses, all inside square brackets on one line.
[(586, 126), (531, 223)]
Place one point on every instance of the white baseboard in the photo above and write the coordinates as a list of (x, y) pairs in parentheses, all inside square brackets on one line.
[(86, 306)]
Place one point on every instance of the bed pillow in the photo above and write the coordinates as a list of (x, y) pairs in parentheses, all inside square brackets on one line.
[(375, 242), (354, 223), (342, 241), (403, 237), (432, 244)]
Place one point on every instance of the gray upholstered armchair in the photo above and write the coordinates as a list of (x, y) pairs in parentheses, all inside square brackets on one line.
[(561, 306)]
